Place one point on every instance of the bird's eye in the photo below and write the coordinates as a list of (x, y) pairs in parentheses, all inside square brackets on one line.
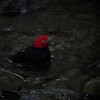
[(43, 41)]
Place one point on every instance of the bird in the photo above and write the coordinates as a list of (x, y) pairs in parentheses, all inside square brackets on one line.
[(37, 55)]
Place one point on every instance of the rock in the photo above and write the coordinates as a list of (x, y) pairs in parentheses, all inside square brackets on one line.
[(92, 86), (9, 95)]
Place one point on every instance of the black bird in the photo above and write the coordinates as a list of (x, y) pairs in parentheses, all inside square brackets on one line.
[(37, 55)]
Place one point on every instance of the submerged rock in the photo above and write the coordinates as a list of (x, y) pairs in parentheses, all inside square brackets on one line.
[(49, 92), (91, 89), (9, 95)]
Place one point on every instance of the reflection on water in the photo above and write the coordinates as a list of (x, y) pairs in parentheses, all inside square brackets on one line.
[(59, 94)]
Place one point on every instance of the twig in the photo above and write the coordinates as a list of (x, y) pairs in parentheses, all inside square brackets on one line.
[(15, 74)]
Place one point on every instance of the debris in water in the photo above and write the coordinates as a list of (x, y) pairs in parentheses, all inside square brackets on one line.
[(7, 29), (17, 75)]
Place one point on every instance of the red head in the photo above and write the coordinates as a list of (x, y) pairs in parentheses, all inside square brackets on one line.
[(41, 42)]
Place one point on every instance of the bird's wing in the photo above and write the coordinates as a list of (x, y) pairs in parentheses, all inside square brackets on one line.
[(23, 55), (32, 55)]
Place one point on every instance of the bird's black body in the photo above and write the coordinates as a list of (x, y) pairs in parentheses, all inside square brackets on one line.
[(39, 58)]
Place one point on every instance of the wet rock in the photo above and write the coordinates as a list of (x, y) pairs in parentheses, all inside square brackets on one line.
[(32, 96), (50, 93), (9, 81), (16, 6), (92, 86), (9, 95)]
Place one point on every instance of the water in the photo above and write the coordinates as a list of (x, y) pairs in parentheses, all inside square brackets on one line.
[(74, 46), (59, 94)]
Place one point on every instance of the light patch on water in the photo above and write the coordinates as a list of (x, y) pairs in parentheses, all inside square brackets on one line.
[(60, 94)]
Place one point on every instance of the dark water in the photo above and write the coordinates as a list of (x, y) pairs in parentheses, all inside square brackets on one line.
[(75, 48)]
